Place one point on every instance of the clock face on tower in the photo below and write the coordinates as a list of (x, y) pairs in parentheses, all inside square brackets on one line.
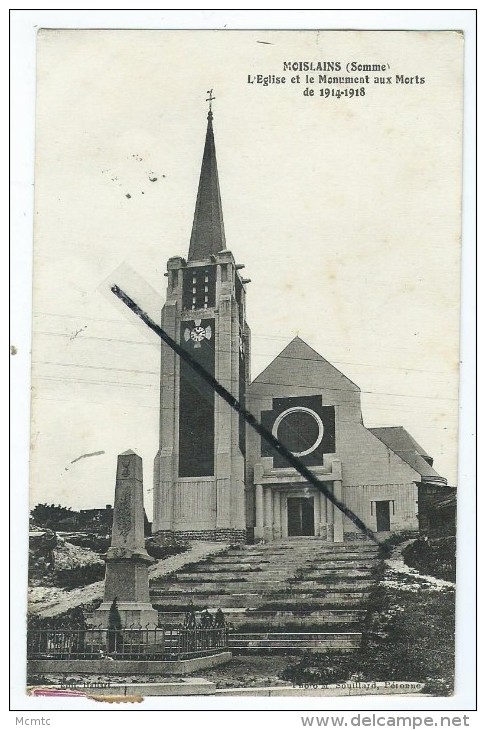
[(197, 333)]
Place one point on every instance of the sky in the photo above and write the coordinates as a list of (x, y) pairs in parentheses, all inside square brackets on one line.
[(345, 212)]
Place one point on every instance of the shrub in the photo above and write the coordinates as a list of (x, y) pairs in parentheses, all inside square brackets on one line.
[(396, 538), (76, 577), (97, 543), (163, 548), (435, 557)]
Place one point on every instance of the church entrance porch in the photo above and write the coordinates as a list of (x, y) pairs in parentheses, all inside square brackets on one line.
[(286, 505), (295, 512), (300, 516)]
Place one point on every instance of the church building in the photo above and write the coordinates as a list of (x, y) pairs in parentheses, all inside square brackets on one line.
[(214, 477)]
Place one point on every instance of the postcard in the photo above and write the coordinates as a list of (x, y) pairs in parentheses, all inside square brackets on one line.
[(245, 363)]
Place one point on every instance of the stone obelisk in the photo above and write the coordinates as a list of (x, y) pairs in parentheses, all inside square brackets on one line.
[(127, 561)]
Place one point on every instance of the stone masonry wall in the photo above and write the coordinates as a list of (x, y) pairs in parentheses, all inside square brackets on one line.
[(219, 535)]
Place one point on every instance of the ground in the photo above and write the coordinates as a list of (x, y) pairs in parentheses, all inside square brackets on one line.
[(252, 671), (241, 671)]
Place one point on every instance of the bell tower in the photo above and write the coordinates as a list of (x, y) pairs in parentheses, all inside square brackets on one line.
[(199, 474)]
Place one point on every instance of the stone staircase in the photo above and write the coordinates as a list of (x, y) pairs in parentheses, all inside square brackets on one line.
[(295, 593)]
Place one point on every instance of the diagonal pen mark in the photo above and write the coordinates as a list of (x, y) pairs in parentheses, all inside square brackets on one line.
[(249, 417)]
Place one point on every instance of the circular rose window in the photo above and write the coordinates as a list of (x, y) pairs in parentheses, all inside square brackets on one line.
[(299, 429)]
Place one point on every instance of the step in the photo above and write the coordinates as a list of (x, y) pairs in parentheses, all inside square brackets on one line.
[(291, 641), (262, 589), (202, 601), (308, 555), (275, 602), (188, 588), (218, 578), (307, 601), (265, 575), (295, 557), (234, 573), (295, 543), (288, 572), (306, 549), (336, 568), (341, 574), (245, 559), (218, 567), (282, 621), (296, 635), (294, 623), (339, 584), (269, 601), (336, 592), (212, 588), (279, 548), (276, 620)]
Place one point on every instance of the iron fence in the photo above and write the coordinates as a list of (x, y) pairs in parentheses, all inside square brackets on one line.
[(164, 644)]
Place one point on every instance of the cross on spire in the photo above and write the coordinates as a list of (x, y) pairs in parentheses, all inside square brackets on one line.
[(210, 98)]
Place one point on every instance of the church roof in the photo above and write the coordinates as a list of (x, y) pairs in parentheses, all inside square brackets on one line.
[(207, 235), (398, 439), (300, 358), (404, 445)]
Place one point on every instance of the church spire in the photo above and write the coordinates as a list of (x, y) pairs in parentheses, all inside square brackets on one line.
[(207, 235)]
